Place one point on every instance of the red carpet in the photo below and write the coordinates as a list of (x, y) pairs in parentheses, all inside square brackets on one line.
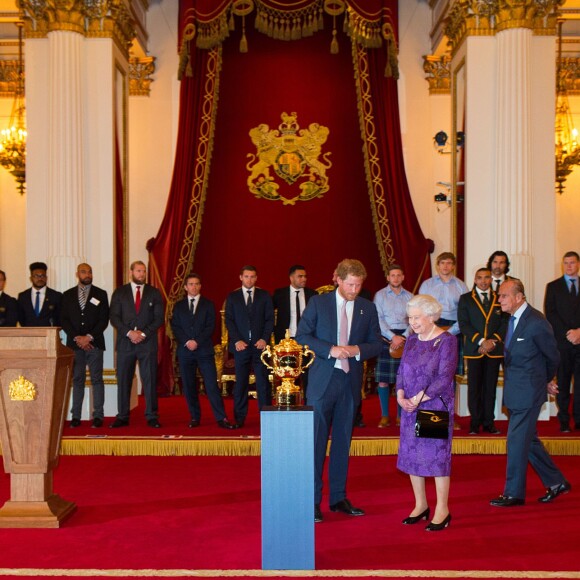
[(196, 516), (174, 418)]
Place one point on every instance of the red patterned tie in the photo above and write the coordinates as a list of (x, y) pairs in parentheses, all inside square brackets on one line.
[(138, 299)]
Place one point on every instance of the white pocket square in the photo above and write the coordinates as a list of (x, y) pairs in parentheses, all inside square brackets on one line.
[(520, 339)]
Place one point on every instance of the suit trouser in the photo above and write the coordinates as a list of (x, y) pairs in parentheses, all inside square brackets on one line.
[(244, 360), (189, 361), (482, 376), (335, 411), (523, 445), (126, 364), (569, 367), (94, 360)]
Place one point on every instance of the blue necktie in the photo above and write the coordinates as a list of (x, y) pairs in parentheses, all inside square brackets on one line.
[(510, 331), (37, 304)]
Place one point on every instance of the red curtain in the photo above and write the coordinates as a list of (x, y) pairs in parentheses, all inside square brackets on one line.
[(367, 212)]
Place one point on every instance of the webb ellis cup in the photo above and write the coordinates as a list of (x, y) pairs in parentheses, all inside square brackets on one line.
[(287, 364)]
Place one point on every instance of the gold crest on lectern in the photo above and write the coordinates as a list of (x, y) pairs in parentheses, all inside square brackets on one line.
[(21, 389), (287, 363)]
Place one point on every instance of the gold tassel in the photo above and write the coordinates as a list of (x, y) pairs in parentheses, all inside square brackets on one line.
[(244, 40), (334, 44), (231, 23)]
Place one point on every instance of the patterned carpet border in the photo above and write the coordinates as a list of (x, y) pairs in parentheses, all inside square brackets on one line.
[(184, 573)]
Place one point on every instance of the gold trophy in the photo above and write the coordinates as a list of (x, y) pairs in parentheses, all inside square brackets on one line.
[(287, 364)]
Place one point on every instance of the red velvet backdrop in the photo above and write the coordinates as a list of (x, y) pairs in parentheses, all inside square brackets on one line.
[(366, 214), (238, 228)]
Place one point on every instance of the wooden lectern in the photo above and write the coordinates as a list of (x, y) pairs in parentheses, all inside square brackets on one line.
[(35, 379)]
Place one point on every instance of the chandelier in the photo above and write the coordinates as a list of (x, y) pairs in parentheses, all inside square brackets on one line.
[(13, 139), (567, 146)]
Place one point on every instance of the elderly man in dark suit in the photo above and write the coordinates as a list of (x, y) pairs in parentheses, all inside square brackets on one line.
[(562, 309), (483, 326), (290, 302), (530, 361), (8, 305), (343, 331), (84, 318), (40, 305), (193, 323), (137, 313), (250, 320)]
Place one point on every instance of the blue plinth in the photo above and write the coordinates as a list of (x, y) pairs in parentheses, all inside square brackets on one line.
[(287, 488)]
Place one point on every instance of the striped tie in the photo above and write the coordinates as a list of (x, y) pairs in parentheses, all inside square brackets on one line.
[(82, 297)]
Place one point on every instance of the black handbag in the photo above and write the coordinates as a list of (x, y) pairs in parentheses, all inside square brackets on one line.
[(432, 424)]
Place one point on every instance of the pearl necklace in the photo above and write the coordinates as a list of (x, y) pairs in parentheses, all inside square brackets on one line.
[(429, 335)]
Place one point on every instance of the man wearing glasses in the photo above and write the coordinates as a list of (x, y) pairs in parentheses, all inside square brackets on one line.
[(39, 305)]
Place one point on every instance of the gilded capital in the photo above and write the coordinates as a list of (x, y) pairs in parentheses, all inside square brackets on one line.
[(140, 71), (470, 18), (91, 18), (437, 74), (537, 15), (569, 71)]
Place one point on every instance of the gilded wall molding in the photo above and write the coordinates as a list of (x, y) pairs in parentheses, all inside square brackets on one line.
[(140, 71), (91, 18), (487, 17), (438, 74), (570, 75), (8, 78)]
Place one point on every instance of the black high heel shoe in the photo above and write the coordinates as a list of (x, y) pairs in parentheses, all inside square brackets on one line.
[(438, 527), (415, 519)]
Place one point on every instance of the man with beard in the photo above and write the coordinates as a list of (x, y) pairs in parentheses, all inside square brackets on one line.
[(499, 265), (40, 305), (137, 313), (84, 318)]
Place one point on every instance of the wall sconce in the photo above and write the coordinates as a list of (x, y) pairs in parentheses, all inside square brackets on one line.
[(442, 144)]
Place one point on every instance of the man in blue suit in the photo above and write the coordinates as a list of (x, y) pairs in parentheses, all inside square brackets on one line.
[(39, 305), (193, 323), (531, 360), (250, 322), (343, 331)]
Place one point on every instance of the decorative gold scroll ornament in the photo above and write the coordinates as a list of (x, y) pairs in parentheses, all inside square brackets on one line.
[(293, 155), (21, 389)]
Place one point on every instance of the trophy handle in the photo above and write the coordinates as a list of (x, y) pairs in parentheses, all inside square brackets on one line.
[(266, 352), (307, 352)]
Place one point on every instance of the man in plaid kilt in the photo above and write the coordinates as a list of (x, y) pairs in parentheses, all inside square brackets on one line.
[(391, 303)]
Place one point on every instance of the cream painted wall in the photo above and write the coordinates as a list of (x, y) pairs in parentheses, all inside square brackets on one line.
[(153, 132), (422, 116)]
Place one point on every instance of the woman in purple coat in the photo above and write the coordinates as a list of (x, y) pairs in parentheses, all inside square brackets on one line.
[(427, 370)]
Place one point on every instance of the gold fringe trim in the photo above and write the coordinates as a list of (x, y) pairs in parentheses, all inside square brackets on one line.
[(250, 446), (185, 573), (287, 24)]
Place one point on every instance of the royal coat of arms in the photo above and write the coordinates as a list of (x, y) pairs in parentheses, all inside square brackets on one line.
[(293, 154)]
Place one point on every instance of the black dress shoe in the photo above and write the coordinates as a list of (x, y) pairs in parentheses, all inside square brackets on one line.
[(553, 492), (154, 423), (225, 424), (564, 428), (194, 423), (240, 423), (97, 422), (506, 501), (75, 423), (474, 431), (317, 513), (119, 423), (346, 507), (493, 430), (414, 519), (440, 526)]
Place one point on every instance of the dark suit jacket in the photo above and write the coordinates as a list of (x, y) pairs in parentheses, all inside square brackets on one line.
[(562, 311), (530, 361), (318, 329), (475, 323), (281, 299), (124, 317), (93, 320), (238, 321), (200, 327), (49, 313), (8, 310)]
